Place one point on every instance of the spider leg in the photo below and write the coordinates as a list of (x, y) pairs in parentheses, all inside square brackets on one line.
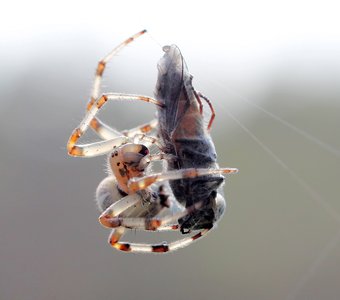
[(157, 248), (145, 139), (172, 246), (106, 132), (145, 128), (144, 162), (136, 184), (103, 146), (108, 217), (117, 233), (93, 149), (198, 96), (111, 217), (103, 130)]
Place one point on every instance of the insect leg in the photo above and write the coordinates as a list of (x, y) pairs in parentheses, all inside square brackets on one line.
[(199, 101), (199, 95)]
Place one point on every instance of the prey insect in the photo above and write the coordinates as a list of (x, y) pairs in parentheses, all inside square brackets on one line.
[(183, 135), (130, 197)]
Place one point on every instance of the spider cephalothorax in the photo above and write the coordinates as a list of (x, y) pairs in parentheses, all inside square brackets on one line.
[(126, 162)]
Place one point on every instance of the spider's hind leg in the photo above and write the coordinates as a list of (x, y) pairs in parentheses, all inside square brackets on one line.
[(158, 248)]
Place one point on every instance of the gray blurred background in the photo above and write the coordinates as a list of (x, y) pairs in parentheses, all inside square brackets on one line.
[(280, 238)]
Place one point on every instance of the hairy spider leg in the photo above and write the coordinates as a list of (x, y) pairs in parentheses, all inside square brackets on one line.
[(164, 247), (102, 147), (141, 129), (144, 162), (146, 139), (103, 130), (110, 218), (156, 248)]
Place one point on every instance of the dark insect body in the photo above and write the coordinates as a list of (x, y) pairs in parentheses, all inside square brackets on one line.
[(184, 135)]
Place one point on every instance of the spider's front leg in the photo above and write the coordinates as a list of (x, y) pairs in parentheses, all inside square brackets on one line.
[(136, 184), (100, 127), (106, 132), (101, 147), (141, 129)]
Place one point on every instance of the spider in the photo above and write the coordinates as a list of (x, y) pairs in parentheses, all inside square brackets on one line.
[(129, 197)]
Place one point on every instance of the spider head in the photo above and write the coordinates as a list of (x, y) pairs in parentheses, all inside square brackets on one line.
[(125, 163)]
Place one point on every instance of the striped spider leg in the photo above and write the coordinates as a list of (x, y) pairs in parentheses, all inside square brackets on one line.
[(117, 215), (136, 184), (102, 129), (102, 147), (125, 209)]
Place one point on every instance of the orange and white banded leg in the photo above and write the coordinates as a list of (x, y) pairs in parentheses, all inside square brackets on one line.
[(113, 217), (103, 130), (116, 97), (106, 132), (108, 217), (99, 148), (141, 138), (136, 184), (156, 248), (144, 162), (117, 233), (141, 129)]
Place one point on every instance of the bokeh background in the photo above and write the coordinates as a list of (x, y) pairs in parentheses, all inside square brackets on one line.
[(271, 68)]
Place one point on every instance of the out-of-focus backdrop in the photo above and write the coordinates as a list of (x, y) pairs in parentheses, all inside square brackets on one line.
[(272, 71)]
